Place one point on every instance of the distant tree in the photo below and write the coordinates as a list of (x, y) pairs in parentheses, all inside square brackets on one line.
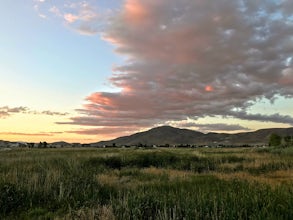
[(275, 140), (288, 140), (30, 145), (43, 144)]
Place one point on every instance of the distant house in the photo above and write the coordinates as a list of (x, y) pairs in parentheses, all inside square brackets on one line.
[(76, 145), (17, 144), (4, 144), (60, 144), (94, 145)]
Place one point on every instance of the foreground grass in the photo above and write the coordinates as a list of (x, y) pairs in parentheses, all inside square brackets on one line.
[(241, 183)]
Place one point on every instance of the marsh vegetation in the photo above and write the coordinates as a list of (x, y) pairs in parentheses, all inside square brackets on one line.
[(163, 183)]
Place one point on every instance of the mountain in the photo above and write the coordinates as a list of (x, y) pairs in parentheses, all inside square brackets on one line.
[(176, 136), (155, 136), (60, 143)]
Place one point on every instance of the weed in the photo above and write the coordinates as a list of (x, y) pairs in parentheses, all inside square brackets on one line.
[(146, 184)]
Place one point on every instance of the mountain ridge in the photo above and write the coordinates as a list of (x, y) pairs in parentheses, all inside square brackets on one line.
[(175, 136), (167, 135)]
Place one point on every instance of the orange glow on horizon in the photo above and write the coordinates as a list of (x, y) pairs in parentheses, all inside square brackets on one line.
[(70, 138)]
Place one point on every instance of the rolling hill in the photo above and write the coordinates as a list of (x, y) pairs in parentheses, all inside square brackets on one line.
[(176, 136)]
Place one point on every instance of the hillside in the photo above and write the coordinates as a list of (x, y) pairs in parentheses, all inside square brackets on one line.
[(175, 136)]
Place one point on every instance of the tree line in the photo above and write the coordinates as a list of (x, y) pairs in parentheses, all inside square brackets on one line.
[(278, 140)]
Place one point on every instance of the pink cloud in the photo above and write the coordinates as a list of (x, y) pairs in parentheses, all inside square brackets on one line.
[(71, 18), (209, 88), (30, 134), (84, 17), (287, 77), (135, 12), (4, 114), (193, 58), (108, 131)]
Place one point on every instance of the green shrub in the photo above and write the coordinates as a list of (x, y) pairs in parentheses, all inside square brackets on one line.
[(12, 199)]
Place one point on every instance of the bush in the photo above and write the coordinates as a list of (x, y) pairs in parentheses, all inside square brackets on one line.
[(11, 199), (275, 140)]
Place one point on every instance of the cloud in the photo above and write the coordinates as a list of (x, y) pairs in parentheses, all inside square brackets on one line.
[(51, 113), (55, 11), (70, 18), (277, 118), (213, 127), (30, 134), (38, 11), (84, 17), (287, 77), (4, 114), (105, 131), (16, 109), (194, 58), (6, 111)]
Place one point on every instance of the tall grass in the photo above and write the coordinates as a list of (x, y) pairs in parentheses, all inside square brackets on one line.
[(145, 184)]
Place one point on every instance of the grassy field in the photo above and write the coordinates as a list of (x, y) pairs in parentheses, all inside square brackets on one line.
[(205, 183)]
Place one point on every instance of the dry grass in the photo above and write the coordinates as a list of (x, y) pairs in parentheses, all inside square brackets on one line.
[(170, 173), (281, 176), (97, 213), (273, 178), (229, 166), (111, 179), (144, 176)]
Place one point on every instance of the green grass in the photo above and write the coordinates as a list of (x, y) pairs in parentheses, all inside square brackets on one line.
[(238, 183)]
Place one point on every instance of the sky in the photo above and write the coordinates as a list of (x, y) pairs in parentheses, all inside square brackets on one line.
[(85, 71)]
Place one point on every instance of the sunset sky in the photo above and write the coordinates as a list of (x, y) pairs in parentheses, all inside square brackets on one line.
[(85, 71)]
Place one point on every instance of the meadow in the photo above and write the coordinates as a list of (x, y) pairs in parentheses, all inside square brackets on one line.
[(162, 183)]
